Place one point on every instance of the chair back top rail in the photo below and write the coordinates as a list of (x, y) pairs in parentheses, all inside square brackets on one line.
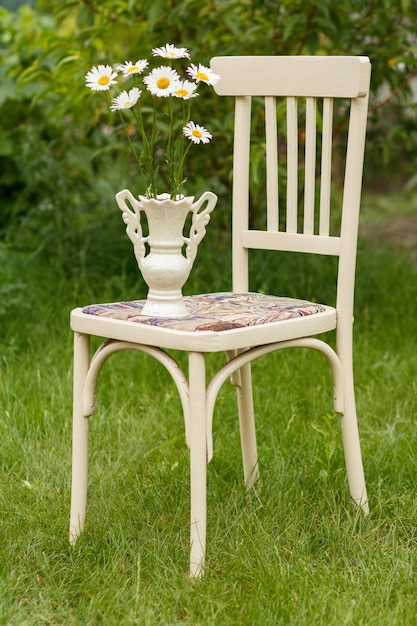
[(314, 76)]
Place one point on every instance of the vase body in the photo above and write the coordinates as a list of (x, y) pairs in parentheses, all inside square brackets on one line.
[(165, 255)]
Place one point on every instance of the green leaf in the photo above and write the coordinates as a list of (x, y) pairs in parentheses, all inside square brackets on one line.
[(291, 24), (6, 146), (313, 42), (7, 89)]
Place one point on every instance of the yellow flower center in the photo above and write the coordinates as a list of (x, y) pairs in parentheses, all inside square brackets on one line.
[(197, 133), (103, 80), (134, 68), (201, 76), (163, 82), (182, 93)]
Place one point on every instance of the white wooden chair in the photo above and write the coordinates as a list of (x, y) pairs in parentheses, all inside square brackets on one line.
[(242, 324)]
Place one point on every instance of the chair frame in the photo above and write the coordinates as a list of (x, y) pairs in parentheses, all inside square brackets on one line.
[(272, 77)]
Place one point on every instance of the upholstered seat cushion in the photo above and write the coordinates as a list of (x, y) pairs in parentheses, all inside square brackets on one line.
[(213, 311)]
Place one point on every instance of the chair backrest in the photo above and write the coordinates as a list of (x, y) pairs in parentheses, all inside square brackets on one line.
[(301, 99)]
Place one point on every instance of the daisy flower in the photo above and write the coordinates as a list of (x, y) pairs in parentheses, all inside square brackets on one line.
[(171, 52), (203, 74), (128, 68), (162, 81), (100, 78), (185, 90), (196, 133), (126, 100)]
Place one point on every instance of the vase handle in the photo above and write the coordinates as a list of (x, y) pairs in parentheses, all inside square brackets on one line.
[(132, 221), (199, 223)]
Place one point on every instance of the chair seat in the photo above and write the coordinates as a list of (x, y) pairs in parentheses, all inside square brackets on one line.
[(216, 321)]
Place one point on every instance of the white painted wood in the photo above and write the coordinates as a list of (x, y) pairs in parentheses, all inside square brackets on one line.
[(79, 437), (326, 166), (206, 341), (242, 380), (310, 166), (241, 358), (314, 76), (271, 133), (291, 242), (112, 346), (241, 155), (292, 165), (198, 462), (289, 77)]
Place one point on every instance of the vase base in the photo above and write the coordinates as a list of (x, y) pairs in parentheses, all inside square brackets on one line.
[(164, 306)]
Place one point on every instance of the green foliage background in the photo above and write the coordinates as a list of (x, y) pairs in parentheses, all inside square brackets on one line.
[(62, 154)]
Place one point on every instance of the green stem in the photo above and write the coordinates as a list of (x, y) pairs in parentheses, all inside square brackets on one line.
[(135, 154), (181, 166), (170, 156), (147, 151), (181, 154)]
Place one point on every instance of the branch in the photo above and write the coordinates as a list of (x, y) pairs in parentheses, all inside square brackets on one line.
[(403, 85)]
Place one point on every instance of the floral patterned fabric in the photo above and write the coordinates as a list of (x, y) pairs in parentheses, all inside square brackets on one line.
[(213, 312)]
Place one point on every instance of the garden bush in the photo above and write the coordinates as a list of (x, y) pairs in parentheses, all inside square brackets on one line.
[(63, 155)]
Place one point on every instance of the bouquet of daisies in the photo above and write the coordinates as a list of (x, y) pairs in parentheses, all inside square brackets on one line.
[(172, 95)]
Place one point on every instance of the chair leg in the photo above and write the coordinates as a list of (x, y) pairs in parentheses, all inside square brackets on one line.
[(351, 445), (247, 426), (198, 462), (79, 437)]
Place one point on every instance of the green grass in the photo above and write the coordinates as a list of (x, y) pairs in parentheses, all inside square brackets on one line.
[(292, 551)]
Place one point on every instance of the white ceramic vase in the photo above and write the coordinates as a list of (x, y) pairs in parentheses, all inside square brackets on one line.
[(165, 256)]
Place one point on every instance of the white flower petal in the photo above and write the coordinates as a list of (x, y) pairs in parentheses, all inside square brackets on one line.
[(203, 74), (100, 78), (162, 81), (185, 90), (128, 68), (171, 52), (126, 100), (197, 133)]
